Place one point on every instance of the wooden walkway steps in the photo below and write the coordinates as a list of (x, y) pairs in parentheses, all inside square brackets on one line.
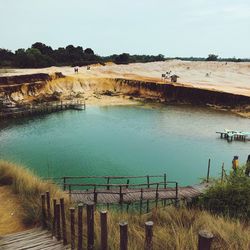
[(131, 195), (35, 239)]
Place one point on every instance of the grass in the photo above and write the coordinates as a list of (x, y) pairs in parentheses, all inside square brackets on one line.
[(173, 228), (29, 188), (10, 212)]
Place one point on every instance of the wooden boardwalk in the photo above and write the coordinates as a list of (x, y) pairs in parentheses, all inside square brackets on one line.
[(39, 109), (131, 195), (35, 239)]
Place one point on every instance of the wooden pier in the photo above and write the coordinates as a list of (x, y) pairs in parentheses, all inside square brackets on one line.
[(120, 194), (231, 135), (38, 109), (154, 188)]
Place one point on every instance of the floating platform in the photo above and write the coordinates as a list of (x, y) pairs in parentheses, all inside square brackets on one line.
[(231, 135)]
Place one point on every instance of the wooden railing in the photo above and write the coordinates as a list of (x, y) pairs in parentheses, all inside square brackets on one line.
[(55, 217), (46, 107), (108, 179), (122, 189)]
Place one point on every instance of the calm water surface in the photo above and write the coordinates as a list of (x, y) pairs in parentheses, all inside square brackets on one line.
[(125, 140)]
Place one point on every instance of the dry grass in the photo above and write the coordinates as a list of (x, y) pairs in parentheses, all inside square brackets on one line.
[(29, 188), (178, 229), (10, 212), (173, 228)]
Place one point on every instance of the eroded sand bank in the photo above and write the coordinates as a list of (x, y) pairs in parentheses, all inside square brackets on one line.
[(199, 83), (227, 77)]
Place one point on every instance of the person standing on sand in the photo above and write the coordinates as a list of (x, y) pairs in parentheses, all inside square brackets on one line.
[(247, 172), (235, 163)]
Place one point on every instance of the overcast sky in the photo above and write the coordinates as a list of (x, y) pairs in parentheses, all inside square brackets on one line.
[(169, 27)]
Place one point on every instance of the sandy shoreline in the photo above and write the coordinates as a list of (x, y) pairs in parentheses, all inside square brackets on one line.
[(233, 78)]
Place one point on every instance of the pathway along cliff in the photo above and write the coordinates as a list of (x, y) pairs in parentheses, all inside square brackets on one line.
[(38, 88)]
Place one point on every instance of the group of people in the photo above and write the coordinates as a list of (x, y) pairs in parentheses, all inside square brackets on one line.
[(235, 165)]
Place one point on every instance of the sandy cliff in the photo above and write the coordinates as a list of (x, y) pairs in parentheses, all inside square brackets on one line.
[(215, 84)]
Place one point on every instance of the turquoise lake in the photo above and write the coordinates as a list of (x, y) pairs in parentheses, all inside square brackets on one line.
[(125, 140)]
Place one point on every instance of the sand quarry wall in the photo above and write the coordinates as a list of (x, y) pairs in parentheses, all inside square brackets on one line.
[(37, 86)]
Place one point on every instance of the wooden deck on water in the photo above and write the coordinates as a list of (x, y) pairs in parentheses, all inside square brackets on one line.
[(44, 108), (144, 188), (131, 195), (35, 239), (231, 135)]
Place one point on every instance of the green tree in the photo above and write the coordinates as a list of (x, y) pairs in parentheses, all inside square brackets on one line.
[(212, 57)]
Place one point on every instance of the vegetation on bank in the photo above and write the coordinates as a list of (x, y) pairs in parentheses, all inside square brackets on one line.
[(40, 55), (173, 228), (230, 196), (29, 188)]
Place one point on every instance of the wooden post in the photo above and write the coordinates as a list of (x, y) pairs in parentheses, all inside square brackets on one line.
[(48, 207), (90, 225), (127, 183), (80, 206), (156, 195), (58, 224), (141, 200), (222, 172), (121, 197), (54, 218), (95, 195), (108, 183), (123, 235), (165, 181), (148, 181), (176, 194), (72, 227), (147, 206), (205, 240), (44, 223), (64, 183), (149, 235), (65, 242), (104, 230), (208, 170)]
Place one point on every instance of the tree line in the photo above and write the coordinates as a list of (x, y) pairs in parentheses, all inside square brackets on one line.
[(40, 55)]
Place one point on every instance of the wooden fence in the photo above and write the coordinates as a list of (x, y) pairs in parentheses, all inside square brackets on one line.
[(108, 179), (153, 188), (55, 219), (116, 193)]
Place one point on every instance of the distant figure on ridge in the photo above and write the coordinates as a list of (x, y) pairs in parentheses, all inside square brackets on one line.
[(235, 164), (76, 70), (174, 78), (247, 172)]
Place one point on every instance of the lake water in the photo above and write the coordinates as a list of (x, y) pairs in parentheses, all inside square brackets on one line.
[(125, 140)]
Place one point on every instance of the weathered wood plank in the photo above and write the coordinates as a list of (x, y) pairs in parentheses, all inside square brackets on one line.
[(134, 194), (35, 239)]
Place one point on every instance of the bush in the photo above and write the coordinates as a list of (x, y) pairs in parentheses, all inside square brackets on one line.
[(230, 198)]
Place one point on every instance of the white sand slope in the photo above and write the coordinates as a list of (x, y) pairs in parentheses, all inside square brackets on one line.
[(228, 77)]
